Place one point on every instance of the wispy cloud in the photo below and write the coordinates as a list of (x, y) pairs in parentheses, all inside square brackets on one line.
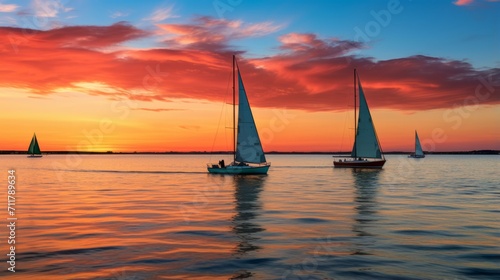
[(470, 2), (49, 8), (8, 20), (8, 8), (211, 33), (119, 14), (156, 109), (91, 36), (463, 2), (190, 127), (162, 14), (309, 43)]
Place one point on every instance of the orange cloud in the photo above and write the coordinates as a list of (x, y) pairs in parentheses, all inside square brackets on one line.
[(319, 74), (308, 73)]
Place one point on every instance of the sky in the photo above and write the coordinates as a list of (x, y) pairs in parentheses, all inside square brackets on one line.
[(155, 76)]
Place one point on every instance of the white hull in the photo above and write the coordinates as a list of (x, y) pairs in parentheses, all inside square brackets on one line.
[(238, 169)]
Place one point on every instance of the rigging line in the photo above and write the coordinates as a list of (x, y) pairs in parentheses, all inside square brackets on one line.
[(226, 112), (218, 124), (346, 114)]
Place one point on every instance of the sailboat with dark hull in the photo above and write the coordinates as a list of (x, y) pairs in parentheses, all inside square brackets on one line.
[(419, 153), (248, 155), (366, 152), (34, 148)]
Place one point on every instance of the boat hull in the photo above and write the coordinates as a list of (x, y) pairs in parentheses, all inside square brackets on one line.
[(416, 156), (34, 156), (359, 164), (239, 170)]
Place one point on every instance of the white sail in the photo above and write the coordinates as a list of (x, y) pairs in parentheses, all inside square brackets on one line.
[(366, 144), (248, 147), (418, 147)]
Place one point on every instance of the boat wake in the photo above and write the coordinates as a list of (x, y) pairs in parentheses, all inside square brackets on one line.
[(301, 167), (133, 171)]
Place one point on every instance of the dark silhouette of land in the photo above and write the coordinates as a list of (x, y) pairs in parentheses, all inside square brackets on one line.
[(474, 152)]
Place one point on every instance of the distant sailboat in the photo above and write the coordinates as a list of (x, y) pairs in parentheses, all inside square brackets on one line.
[(419, 153), (34, 149), (248, 155), (366, 152)]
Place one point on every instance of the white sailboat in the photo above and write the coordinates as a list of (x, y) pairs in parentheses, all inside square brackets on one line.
[(248, 155), (366, 152), (419, 153)]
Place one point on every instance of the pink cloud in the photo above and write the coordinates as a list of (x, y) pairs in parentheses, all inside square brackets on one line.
[(7, 8), (162, 14), (463, 2), (210, 33)]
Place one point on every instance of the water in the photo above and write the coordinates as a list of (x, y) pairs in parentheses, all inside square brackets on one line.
[(164, 217)]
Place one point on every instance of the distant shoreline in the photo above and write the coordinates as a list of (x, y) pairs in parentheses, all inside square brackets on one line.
[(474, 152)]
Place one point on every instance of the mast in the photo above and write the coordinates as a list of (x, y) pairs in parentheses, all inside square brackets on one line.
[(234, 111), (35, 143), (415, 142), (355, 130)]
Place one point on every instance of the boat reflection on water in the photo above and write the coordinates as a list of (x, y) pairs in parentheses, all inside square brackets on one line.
[(366, 207), (247, 208)]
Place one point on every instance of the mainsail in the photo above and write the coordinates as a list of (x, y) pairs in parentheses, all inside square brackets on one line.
[(366, 144), (418, 147), (248, 147)]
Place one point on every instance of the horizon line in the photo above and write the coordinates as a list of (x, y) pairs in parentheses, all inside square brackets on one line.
[(482, 151)]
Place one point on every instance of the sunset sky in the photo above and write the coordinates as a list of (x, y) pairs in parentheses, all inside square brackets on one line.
[(156, 75)]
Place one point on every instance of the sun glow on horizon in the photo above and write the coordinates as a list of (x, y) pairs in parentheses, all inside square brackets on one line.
[(155, 82)]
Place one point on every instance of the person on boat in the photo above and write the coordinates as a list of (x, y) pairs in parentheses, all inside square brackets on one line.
[(222, 164), (360, 159)]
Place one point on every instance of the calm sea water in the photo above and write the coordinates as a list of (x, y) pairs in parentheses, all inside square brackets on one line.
[(164, 217)]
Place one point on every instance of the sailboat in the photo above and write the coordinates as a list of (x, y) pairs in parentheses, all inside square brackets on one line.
[(366, 152), (34, 149), (248, 155), (419, 153)]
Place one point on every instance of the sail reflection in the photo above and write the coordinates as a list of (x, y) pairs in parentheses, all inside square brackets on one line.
[(365, 193), (247, 205)]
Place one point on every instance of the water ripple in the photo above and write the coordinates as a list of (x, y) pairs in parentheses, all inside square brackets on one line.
[(34, 255)]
